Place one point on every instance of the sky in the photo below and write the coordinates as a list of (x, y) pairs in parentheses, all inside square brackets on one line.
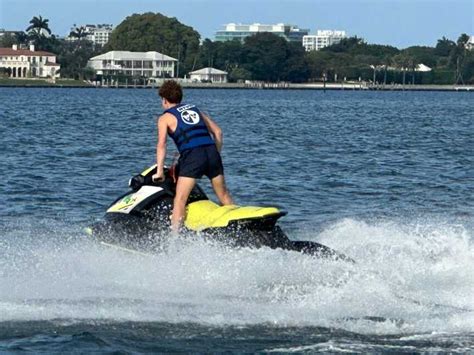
[(400, 23)]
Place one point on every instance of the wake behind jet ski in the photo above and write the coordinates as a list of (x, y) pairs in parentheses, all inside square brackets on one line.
[(140, 220)]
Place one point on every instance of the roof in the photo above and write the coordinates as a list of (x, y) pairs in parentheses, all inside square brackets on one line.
[(25, 52), (127, 55), (422, 67), (208, 71)]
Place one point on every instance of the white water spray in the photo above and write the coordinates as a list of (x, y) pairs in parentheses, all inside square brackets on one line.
[(410, 278)]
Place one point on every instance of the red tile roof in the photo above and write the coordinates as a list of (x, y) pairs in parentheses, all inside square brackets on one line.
[(25, 52)]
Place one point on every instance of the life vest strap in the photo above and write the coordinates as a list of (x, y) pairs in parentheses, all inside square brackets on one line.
[(188, 139), (186, 135)]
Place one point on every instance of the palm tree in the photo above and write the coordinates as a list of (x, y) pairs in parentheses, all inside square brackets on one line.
[(79, 33), (463, 40), (386, 61), (21, 37), (39, 26), (412, 64), (444, 47), (402, 62), (458, 56)]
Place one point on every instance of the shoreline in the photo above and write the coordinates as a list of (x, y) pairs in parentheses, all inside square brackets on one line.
[(266, 86)]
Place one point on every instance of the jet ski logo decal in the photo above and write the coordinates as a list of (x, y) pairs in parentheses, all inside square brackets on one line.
[(190, 117), (129, 202)]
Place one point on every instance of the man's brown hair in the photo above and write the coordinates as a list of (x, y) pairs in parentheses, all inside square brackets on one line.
[(171, 91)]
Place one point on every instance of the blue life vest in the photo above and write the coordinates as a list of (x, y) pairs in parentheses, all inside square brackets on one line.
[(191, 131)]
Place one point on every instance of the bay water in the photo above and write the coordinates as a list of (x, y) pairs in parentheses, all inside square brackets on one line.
[(387, 178)]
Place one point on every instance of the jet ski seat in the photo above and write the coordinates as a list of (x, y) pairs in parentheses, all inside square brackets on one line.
[(207, 214)]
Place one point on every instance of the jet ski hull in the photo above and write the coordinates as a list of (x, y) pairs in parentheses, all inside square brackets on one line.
[(140, 220), (137, 234)]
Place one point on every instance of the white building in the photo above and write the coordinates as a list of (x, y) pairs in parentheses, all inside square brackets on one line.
[(240, 31), (4, 32), (97, 34), (208, 74), (144, 64), (470, 43), (322, 39), (422, 68), (28, 63)]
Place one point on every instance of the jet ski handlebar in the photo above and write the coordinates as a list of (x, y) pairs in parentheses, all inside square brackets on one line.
[(137, 181)]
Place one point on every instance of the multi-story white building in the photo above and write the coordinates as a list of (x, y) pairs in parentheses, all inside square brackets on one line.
[(241, 31), (143, 64), (322, 39), (28, 63), (97, 34)]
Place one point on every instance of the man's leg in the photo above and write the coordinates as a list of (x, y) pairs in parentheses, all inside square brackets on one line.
[(183, 189), (218, 184)]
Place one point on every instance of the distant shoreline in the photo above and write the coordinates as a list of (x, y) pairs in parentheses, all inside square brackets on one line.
[(265, 86)]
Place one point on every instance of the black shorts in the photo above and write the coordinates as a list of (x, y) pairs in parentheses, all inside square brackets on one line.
[(199, 161)]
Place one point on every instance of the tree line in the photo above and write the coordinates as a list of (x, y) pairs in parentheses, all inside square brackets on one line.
[(263, 56), (267, 57)]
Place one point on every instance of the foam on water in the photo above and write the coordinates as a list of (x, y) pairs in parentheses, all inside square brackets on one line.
[(409, 278)]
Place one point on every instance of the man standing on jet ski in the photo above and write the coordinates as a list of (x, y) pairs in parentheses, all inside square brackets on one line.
[(199, 142)]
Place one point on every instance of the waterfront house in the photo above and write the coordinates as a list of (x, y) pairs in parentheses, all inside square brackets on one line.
[(208, 75), (137, 64), (28, 63)]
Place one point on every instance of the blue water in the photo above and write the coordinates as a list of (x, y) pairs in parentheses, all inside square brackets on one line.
[(384, 177)]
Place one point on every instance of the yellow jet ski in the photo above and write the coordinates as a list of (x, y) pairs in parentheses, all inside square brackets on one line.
[(140, 220)]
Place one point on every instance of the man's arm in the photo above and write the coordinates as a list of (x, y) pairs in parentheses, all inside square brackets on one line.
[(161, 146), (215, 131)]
